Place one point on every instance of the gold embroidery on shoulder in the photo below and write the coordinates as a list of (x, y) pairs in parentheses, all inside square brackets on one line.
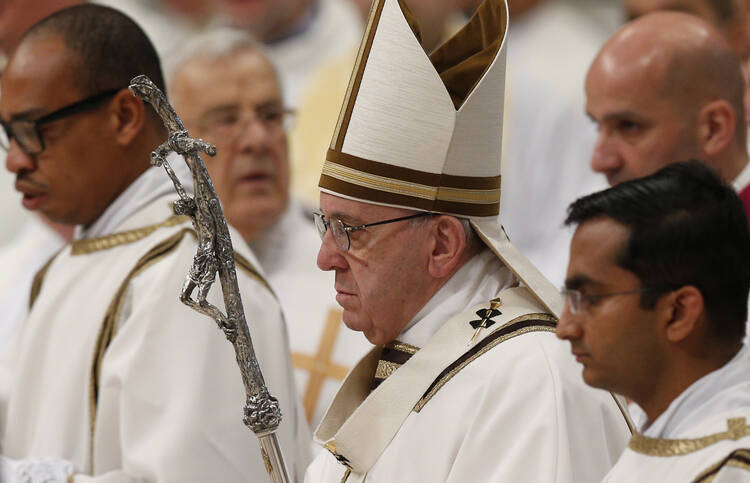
[(737, 459), (91, 245), (736, 429), (465, 362)]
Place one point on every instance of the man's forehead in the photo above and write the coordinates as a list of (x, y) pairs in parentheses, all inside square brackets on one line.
[(239, 79), (596, 246), (40, 71), (355, 210), (628, 83)]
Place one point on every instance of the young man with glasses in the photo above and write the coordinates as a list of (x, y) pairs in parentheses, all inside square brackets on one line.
[(229, 94), (110, 377), (468, 382), (656, 306)]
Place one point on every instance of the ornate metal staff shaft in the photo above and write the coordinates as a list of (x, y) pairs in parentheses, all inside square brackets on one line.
[(215, 254)]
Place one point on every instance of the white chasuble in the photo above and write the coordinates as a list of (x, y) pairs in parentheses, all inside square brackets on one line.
[(508, 405), (112, 373)]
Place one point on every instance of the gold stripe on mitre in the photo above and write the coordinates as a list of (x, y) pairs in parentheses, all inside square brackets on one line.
[(393, 185)]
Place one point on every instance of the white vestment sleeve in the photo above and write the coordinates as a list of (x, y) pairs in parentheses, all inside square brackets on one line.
[(171, 395)]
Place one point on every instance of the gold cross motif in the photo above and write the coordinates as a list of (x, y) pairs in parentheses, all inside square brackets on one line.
[(494, 304), (320, 366)]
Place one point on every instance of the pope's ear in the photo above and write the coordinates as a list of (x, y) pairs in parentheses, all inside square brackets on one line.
[(682, 310), (449, 243)]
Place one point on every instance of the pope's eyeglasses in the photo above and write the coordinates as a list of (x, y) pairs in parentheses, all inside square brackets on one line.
[(341, 230)]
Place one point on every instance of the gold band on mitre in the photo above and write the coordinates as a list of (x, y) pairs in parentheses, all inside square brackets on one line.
[(394, 185)]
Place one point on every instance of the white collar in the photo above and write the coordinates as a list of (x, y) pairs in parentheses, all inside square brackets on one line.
[(718, 391), (479, 280), (150, 185)]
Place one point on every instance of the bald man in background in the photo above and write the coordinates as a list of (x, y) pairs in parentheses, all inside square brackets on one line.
[(665, 88)]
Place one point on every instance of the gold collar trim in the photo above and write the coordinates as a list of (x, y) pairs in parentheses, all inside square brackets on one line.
[(91, 245), (402, 347), (737, 428)]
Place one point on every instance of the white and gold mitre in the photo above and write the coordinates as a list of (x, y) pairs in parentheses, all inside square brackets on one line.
[(425, 132)]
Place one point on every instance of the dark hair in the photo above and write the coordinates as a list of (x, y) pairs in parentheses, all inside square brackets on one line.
[(724, 9), (112, 48), (687, 227)]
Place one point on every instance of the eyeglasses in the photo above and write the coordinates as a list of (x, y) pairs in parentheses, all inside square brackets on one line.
[(341, 230), (579, 302), (228, 122), (26, 131)]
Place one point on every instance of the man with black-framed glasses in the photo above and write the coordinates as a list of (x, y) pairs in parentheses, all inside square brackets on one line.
[(110, 377), (656, 304)]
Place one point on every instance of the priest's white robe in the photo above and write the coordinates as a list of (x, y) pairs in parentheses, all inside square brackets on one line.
[(702, 436), (509, 406), (112, 373), (323, 349)]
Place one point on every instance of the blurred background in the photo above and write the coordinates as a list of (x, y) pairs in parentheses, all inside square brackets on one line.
[(547, 136)]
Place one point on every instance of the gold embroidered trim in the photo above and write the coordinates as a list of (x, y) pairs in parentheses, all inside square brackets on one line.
[(247, 267), (736, 429), (447, 377), (625, 414), (737, 459), (346, 475), (91, 245), (407, 188), (385, 369), (36, 284), (403, 347), (739, 464)]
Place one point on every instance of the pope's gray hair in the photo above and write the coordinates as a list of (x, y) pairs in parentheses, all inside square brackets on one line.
[(474, 244), (213, 44)]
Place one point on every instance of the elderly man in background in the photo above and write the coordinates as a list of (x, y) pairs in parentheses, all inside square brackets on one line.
[(110, 377), (665, 88), (228, 93), (300, 35), (657, 288), (467, 382)]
